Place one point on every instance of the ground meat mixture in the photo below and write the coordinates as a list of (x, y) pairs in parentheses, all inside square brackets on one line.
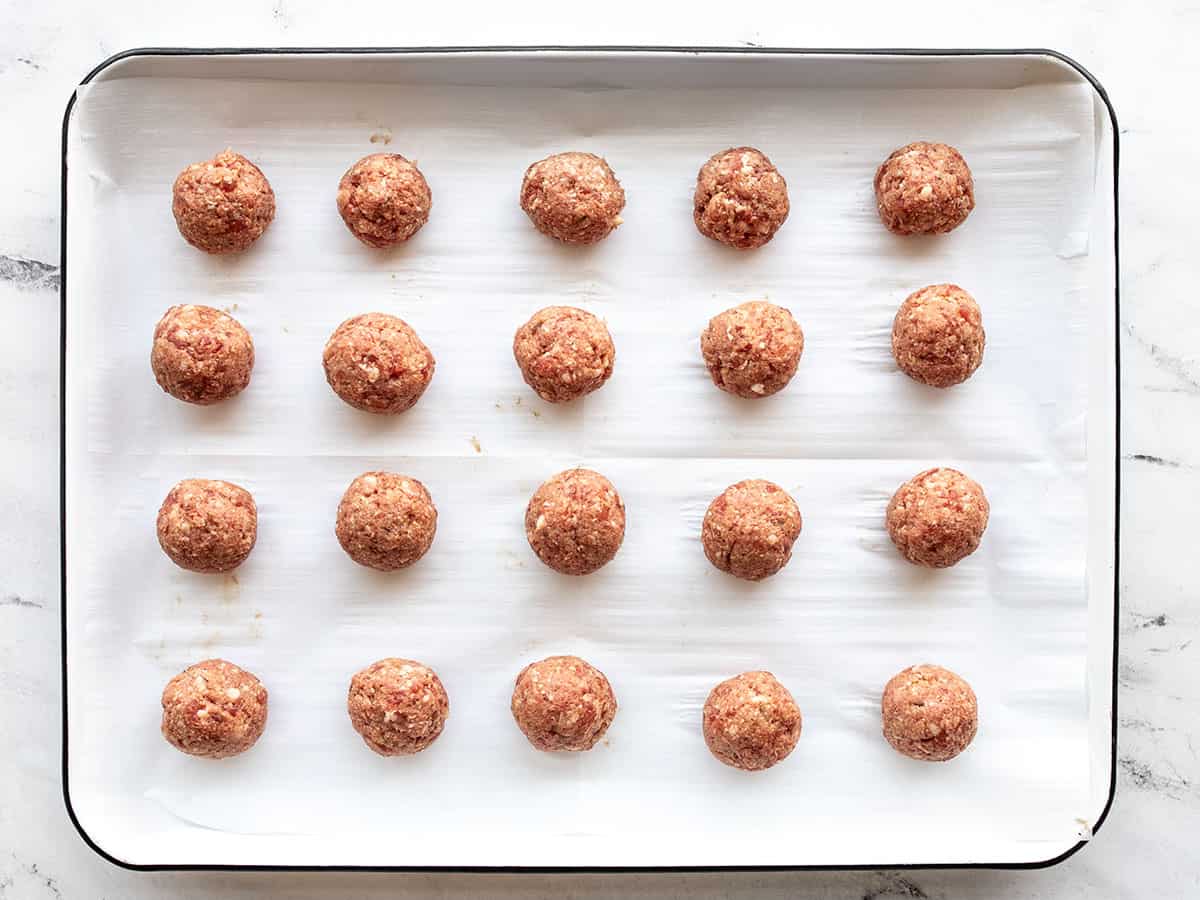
[(741, 199), (398, 706), (222, 205), (564, 353), (929, 713), (749, 529), (563, 703), (384, 199), (386, 521), (207, 526), (937, 517), (937, 336), (214, 709), (753, 349), (376, 363), (751, 721), (201, 355), (575, 521), (924, 188), (573, 197)]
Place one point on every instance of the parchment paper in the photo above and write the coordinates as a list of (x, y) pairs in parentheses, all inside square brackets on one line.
[(845, 615)]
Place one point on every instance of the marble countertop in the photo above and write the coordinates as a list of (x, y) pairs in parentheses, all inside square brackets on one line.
[(1144, 54)]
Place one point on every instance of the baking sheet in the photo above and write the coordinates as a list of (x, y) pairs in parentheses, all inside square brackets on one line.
[(665, 627)]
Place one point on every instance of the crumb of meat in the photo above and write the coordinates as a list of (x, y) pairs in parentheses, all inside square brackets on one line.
[(924, 188), (937, 517), (563, 704), (384, 199), (214, 709), (386, 521), (573, 197), (929, 713), (398, 706), (207, 526), (937, 336), (749, 529), (375, 362), (752, 350), (564, 353), (575, 521), (222, 205), (741, 199), (201, 355), (751, 721)]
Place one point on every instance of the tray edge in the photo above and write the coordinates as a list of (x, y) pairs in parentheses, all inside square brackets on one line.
[(1100, 92)]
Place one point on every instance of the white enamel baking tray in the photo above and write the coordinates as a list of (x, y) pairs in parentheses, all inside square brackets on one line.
[(1029, 619)]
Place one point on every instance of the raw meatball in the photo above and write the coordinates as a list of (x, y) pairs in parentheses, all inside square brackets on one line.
[(563, 703), (937, 517), (752, 350), (214, 709), (207, 526), (201, 355), (573, 197), (741, 199), (929, 713), (376, 363), (749, 529), (386, 521), (398, 706), (751, 721), (575, 521), (222, 205), (564, 353), (937, 337), (384, 199), (924, 188)]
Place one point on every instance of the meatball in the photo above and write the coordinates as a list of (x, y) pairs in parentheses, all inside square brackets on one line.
[(222, 205), (213, 709), (386, 521), (937, 337), (398, 706), (753, 349), (376, 363), (924, 188), (564, 353), (563, 703), (384, 199), (573, 197), (741, 199), (207, 526), (201, 355), (937, 517), (749, 529), (751, 721), (929, 713), (575, 521)]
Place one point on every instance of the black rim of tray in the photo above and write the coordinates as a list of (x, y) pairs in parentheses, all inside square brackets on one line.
[(1101, 93)]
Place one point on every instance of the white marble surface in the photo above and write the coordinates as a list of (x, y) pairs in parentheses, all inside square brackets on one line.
[(1144, 54)]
